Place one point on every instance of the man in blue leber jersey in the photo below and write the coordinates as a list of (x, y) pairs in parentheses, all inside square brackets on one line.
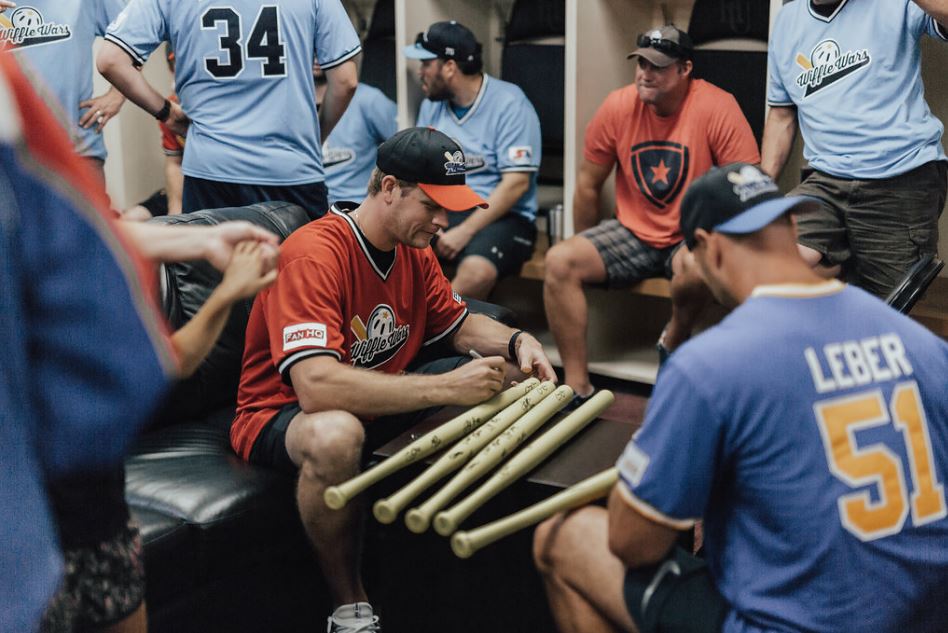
[(499, 130), (244, 77), (349, 153), (808, 430), (54, 41), (84, 357), (849, 74)]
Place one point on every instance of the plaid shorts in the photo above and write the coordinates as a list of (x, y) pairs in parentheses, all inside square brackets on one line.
[(628, 259), (102, 585)]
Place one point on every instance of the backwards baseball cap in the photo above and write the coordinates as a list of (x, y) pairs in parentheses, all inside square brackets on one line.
[(735, 200), (663, 46), (447, 40), (429, 158)]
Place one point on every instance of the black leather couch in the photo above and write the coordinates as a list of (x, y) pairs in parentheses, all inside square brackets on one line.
[(224, 549)]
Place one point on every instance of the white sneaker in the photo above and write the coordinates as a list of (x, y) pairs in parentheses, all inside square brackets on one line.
[(354, 618)]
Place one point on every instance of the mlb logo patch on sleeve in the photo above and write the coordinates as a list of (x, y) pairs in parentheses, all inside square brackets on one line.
[(633, 464), (304, 335), (520, 155)]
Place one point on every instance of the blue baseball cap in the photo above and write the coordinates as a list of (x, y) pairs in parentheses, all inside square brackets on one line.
[(735, 199), (445, 40)]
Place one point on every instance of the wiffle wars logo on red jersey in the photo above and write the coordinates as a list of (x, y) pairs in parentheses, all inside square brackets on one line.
[(377, 341), (304, 335)]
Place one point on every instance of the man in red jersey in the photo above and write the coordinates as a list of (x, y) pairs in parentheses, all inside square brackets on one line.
[(332, 347)]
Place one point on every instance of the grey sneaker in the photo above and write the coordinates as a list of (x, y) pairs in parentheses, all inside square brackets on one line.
[(354, 618)]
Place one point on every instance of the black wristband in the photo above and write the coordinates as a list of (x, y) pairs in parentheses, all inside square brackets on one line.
[(162, 114), (512, 345)]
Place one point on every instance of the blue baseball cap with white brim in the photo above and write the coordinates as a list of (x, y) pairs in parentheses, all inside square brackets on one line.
[(445, 40), (736, 199)]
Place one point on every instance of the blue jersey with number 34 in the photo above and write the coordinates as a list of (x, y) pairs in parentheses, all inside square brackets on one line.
[(810, 430), (244, 77)]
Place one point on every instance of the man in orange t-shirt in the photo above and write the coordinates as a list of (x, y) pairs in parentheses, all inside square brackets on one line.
[(661, 132)]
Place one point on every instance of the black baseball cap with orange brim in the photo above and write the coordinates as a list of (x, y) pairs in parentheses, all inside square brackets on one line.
[(430, 159)]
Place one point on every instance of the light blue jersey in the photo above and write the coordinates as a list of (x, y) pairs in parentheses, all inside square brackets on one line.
[(53, 39), (244, 76), (810, 430), (350, 151), (856, 81), (499, 133)]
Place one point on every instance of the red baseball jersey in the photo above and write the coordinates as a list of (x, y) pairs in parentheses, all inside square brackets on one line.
[(333, 298)]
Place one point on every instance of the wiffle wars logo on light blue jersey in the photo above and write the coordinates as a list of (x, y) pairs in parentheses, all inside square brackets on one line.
[(333, 156), (25, 26), (827, 64)]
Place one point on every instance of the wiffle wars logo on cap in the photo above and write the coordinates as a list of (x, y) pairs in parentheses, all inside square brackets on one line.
[(750, 182), (454, 163)]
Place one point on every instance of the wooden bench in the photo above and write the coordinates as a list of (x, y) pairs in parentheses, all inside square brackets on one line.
[(533, 269)]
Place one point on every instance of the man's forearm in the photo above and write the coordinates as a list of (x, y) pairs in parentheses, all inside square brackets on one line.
[(341, 85), (938, 9), (167, 243), (194, 341), (779, 133), (484, 335), (174, 184), (367, 393), (586, 202), (116, 66)]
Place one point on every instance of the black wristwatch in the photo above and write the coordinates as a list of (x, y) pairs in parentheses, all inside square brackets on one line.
[(162, 114), (512, 345)]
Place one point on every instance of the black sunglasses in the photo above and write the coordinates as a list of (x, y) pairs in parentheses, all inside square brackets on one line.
[(663, 46)]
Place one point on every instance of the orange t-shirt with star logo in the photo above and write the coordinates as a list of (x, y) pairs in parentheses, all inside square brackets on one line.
[(658, 157), (334, 297)]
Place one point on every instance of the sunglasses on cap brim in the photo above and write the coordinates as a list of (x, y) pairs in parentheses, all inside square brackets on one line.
[(663, 46)]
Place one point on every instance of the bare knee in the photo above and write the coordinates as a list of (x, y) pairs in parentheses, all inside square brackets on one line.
[(327, 443), (566, 537), (574, 261), (558, 263), (543, 541), (477, 275)]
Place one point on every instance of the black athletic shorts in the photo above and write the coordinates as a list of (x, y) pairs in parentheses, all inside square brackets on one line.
[(270, 447), (677, 597), (200, 194), (506, 242)]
